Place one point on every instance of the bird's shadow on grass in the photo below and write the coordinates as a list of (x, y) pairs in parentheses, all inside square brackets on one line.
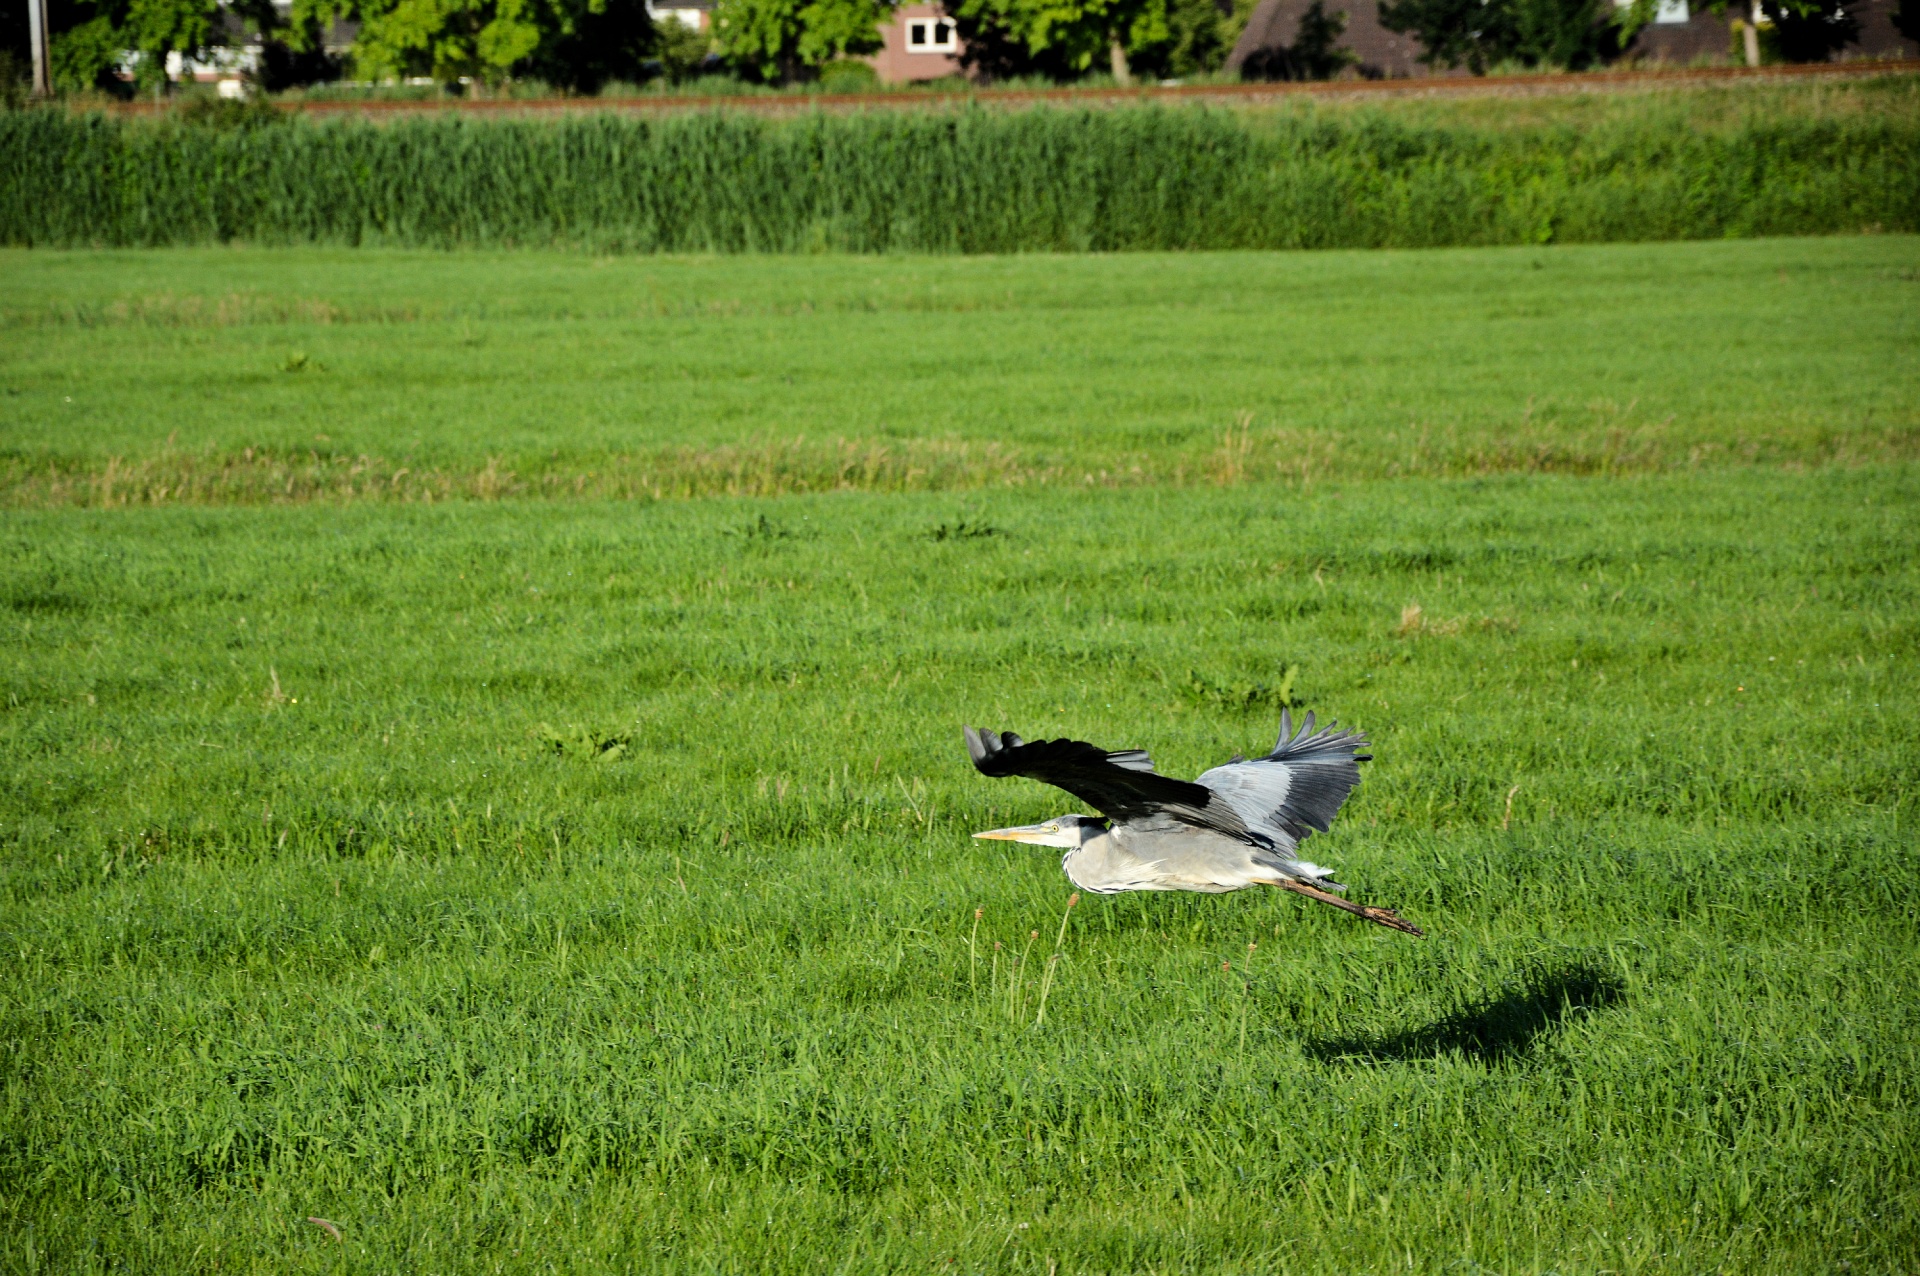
[(1504, 1026)]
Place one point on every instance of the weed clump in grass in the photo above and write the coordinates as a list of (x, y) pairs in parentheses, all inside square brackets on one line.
[(585, 743), (963, 531), (761, 532), (1241, 697), (1414, 623)]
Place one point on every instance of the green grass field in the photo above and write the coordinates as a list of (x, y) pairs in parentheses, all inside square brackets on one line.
[(583, 884), (134, 377)]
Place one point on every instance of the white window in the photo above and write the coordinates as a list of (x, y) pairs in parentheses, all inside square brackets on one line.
[(929, 35), (1665, 12)]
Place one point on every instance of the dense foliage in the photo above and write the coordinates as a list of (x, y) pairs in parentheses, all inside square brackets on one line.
[(1477, 34), (1577, 34), (572, 44), (973, 181), (1315, 54), (92, 37), (1077, 35), (779, 40)]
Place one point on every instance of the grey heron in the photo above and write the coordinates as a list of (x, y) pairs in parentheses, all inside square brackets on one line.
[(1238, 825)]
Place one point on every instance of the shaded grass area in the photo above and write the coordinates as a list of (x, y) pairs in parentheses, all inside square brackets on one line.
[(210, 377), (1501, 1027), (975, 180), (327, 893)]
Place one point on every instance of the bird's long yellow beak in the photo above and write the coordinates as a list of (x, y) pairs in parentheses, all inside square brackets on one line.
[(1023, 833)]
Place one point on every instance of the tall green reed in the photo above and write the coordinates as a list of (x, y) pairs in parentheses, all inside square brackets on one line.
[(970, 181)]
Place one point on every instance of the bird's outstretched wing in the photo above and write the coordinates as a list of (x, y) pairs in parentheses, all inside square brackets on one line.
[(1297, 788), (1121, 786)]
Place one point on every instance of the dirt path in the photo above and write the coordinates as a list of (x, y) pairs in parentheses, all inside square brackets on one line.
[(1450, 85)]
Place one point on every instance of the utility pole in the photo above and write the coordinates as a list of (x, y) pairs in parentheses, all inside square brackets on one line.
[(37, 26)]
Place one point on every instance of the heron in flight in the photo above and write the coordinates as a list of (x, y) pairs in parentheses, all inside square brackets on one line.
[(1238, 825)]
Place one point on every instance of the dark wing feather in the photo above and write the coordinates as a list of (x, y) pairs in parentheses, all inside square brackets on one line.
[(1122, 786)]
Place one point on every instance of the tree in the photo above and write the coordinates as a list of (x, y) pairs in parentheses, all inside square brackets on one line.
[(446, 39), (576, 44), (1451, 32), (1805, 32), (585, 43), (784, 40), (92, 37), (1072, 35), (284, 67), (1315, 53), (1478, 34), (1906, 19), (1199, 36), (1575, 34), (682, 50), (991, 51)]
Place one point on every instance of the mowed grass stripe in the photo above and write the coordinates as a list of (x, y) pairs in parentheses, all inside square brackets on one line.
[(314, 916), (221, 377)]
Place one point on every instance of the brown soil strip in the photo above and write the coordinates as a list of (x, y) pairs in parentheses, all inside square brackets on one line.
[(1444, 85)]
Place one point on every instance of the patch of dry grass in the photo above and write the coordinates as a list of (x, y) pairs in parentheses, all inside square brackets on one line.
[(787, 467)]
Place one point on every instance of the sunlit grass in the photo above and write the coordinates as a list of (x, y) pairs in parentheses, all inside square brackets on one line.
[(533, 873), (222, 377), (326, 894)]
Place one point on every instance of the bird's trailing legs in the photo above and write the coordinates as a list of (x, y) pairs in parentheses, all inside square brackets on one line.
[(1381, 916)]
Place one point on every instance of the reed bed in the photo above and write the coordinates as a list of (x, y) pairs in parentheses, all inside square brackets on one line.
[(968, 181)]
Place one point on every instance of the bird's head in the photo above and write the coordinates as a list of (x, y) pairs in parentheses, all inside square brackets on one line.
[(1064, 831)]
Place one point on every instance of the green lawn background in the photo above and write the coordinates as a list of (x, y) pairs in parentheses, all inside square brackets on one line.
[(574, 371), (309, 914)]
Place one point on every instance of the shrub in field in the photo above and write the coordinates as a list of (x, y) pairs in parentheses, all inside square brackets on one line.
[(970, 181), (681, 51), (848, 75), (1478, 35)]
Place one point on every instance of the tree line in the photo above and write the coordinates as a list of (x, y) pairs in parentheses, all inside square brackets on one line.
[(583, 45)]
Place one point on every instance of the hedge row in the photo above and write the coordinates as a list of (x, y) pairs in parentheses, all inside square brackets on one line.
[(970, 181)]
